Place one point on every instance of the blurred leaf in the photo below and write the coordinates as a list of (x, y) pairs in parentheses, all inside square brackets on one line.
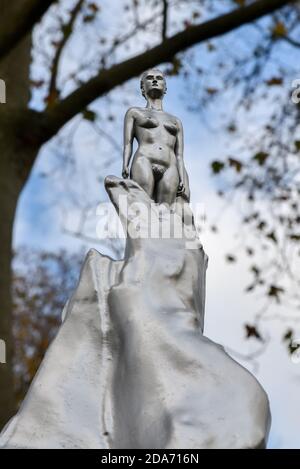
[(211, 47), (261, 225), (275, 81), (94, 7), (251, 331), (196, 14), (297, 145), (89, 18), (255, 270), (175, 67), (211, 90), (231, 127), (261, 157), (279, 29), (272, 236), (89, 115), (230, 258), (288, 335), (236, 164), (275, 291), (294, 237), (217, 166), (293, 347)]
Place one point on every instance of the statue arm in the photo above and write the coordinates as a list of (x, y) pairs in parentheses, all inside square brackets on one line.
[(128, 141), (179, 151)]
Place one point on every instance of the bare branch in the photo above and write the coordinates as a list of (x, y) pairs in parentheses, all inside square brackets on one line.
[(53, 119), (18, 19), (165, 19), (122, 39), (291, 41), (67, 29)]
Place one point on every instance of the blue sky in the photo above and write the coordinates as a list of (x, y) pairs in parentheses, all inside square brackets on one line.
[(46, 204)]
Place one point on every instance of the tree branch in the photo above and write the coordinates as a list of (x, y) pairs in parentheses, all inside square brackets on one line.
[(165, 19), (18, 20), (67, 29), (54, 118), (291, 41)]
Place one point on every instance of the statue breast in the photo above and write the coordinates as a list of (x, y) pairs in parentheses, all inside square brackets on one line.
[(171, 128), (147, 122)]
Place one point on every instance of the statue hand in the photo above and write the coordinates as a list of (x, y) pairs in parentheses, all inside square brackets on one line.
[(181, 188), (125, 172)]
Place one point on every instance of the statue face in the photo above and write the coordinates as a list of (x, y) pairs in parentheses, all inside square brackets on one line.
[(153, 84)]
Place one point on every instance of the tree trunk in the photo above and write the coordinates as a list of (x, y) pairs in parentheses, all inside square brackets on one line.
[(8, 205), (14, 69)]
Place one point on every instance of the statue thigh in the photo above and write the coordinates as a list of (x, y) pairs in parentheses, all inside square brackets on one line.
[(167, 187), (142, 173)]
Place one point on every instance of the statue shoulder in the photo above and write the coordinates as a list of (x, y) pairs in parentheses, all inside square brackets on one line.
[(178, 122), (132, 112)]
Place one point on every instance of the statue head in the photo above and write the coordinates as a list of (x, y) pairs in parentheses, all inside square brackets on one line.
[(153, 83)]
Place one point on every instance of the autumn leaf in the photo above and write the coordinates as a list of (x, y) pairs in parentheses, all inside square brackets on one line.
[(255, 270), (294, 237), (279, 29), (217, 166), (230, 258), (93, 7), (196, 14), (272, 236), (210, 47), (251, 331), (275, 81), (236, 164), (89, 18), (231, 127), (275, 291), (176, 66), (293, 347), (212, 91), (260, 157), (261, 226), (288, 335), (89, 115)]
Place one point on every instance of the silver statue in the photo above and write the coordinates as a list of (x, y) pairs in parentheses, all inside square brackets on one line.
[(130, 366), (157, 165)]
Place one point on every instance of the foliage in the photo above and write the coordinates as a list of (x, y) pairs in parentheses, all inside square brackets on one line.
[(42, 284)]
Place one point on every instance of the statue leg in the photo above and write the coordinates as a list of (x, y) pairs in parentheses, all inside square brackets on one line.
[(187, 194), (167, 187), (141, 172)]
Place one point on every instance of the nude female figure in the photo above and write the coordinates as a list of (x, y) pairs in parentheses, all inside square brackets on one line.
[(158, 162)]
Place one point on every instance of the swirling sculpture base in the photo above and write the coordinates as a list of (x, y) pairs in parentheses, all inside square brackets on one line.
[(130, 367)]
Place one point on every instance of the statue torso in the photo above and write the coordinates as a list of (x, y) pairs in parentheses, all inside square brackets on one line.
[(156, 133)]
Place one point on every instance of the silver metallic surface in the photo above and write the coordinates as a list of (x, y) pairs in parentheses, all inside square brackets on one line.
[(130, 367), (157, 165)]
